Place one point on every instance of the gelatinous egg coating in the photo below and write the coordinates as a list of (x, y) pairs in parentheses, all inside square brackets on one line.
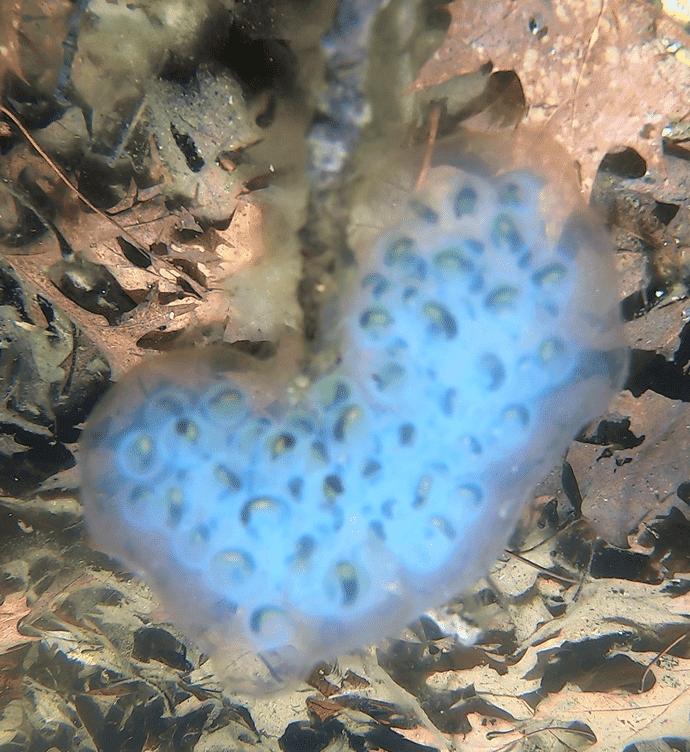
[(476, 341)]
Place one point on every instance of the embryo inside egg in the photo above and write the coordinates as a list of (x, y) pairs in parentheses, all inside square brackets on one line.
[(478, 333)]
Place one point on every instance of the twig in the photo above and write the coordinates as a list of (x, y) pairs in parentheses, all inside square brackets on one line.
[(434, 117), (657, 657), (543, 570), (584, 732)]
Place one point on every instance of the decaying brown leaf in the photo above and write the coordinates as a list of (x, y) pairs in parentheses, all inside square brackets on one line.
[(12, 611), (626, 486), (9, 40), (619, 720), (31, 36), (177, 290), (600, 74)]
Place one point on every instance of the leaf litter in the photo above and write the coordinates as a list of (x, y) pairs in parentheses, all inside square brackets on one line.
[(587, 649), (600, 74)]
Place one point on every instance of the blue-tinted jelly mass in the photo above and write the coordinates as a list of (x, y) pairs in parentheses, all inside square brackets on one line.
[(474, 346)]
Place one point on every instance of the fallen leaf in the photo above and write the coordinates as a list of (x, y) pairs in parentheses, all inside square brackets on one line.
[(31, 41), (12, 611), (620, 720), (10, 62), (600, 74), (623, 486)]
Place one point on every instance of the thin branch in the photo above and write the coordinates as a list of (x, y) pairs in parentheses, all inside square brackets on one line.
[(434, 117), (657, 657), (543, 570)]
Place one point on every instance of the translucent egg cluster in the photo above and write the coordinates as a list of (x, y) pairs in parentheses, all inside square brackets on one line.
[(475, 342)]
